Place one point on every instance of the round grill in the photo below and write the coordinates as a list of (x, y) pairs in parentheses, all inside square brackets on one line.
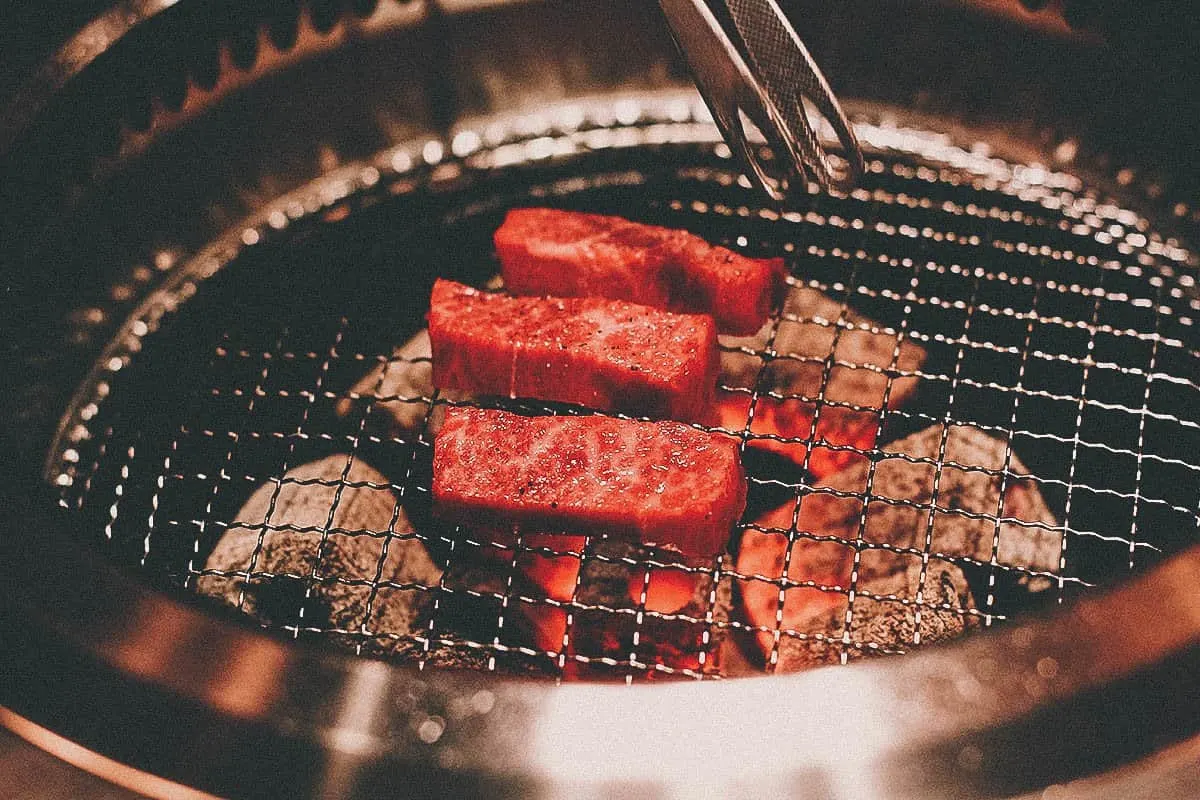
[(1052, 317)]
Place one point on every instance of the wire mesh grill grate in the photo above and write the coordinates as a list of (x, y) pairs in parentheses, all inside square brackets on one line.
[(1055, 322)]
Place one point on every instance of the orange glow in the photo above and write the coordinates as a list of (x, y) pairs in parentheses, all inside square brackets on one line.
[(547, 624), (601, 634), (793, 419), (556, 575), (668, 591), (824, 563)]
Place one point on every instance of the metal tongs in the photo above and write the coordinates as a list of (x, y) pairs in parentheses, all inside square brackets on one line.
[(764, 73)]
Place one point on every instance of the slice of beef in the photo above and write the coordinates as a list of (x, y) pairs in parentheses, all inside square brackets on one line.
[(659, 482), (606, 354), (815, 328), (964, 524), (568, 254)]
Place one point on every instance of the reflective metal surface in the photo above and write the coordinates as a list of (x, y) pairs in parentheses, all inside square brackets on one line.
[(770, 88), (998, 715), (93, 655), (276, 368)]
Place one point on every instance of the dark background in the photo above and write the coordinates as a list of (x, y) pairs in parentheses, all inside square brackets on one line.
[(1141, 88)]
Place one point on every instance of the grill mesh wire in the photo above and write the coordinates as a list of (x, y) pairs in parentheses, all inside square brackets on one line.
[(1052, 318)]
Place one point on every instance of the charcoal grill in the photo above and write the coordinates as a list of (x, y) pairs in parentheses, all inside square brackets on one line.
[(208, 266)]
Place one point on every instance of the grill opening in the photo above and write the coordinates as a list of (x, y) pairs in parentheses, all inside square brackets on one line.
[(1050, 317)]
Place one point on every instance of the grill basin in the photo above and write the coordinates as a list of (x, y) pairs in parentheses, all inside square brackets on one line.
[(1053, 318)]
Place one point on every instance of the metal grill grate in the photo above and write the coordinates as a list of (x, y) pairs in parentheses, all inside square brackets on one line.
[(1049, 317)]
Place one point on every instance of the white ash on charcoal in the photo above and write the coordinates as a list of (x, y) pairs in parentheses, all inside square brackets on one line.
[(463, 627), (342, 517), (964, 523), (397, 393), (347, 517), (969, 514), (887, 622), (813, 326)]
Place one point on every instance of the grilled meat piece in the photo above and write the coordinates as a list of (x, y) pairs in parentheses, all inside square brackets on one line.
[(606, 354), (570, 254), (660, 482), (815, 334)]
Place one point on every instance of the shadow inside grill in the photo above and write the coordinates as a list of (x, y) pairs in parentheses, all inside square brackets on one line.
[(1037, 327)]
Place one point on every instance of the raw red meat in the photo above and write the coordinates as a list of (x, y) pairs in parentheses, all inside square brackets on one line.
[(660, 482), (605, 354), (565, 253)]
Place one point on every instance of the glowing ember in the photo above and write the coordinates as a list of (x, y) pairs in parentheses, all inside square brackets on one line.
[(668, 589), (792, 419), (761, 563), (611, 592), (555, 575)]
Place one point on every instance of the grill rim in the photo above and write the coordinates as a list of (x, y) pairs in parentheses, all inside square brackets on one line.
[(322, 707), (363, 179), (24, 520), (937, 725)]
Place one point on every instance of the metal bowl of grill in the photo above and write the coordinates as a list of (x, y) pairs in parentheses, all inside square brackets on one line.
[(221, 226)]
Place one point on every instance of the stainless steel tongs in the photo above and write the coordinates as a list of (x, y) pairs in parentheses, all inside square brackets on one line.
[(764, 73)]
